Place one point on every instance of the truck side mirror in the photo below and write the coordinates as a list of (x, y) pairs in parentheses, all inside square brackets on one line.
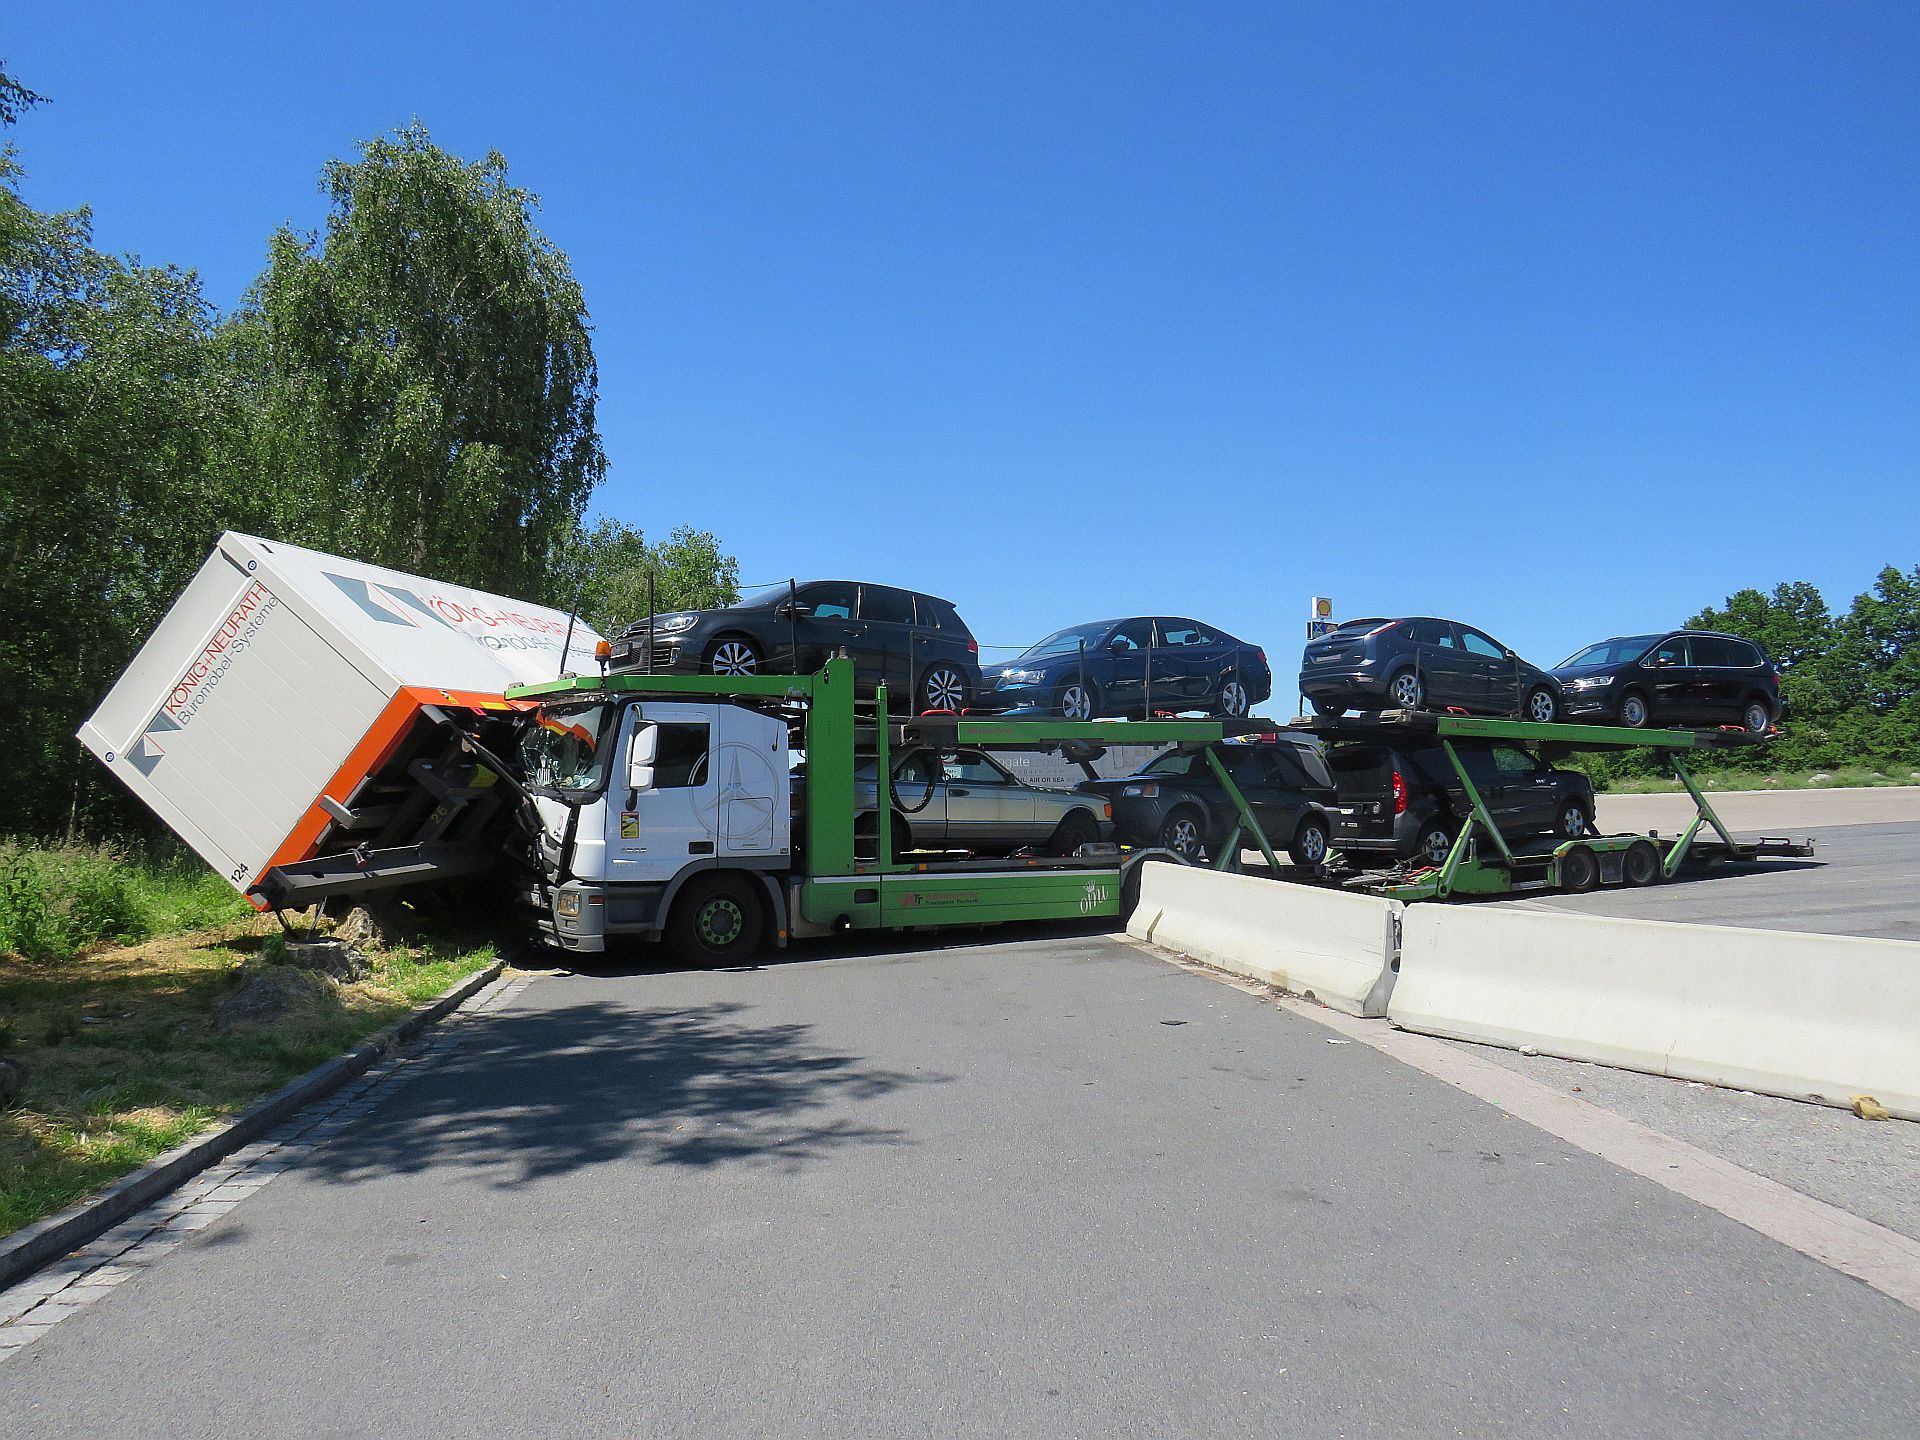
[(640, 757)]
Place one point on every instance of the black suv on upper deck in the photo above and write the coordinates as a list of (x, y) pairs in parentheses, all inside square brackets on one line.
[(916, 643), (1421, 663), (1672, 677)]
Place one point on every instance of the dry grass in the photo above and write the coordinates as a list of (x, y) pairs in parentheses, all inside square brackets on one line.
[(122, 1061)]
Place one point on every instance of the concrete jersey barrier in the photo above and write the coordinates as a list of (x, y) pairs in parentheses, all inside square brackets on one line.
[(1810, 1017), (1335, 947)]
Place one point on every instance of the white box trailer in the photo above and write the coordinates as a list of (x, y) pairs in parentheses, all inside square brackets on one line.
[(288, 718)]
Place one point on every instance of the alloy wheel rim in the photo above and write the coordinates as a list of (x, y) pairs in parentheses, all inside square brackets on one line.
[(1407, 691), (1077, 704), (1313, 845), (733, 657), (1183, 838), (1233, 698), (944, 689), (1542, 706)]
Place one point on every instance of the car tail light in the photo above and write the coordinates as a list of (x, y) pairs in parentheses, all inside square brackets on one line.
[(973, 646), (1399, 793), (1261, 653)]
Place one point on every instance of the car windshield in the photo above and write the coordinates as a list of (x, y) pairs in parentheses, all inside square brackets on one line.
[(565, 752), (1176, 762), (1611, 652), (1067, 642)]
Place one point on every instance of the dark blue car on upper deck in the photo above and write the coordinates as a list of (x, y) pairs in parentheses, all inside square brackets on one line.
[(1130, 667)]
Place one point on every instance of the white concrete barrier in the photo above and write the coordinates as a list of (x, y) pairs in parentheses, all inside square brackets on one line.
[(1812, 1017), (1337, 948)]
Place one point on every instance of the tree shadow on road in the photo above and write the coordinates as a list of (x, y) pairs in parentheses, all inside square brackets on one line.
[(529, 1094)]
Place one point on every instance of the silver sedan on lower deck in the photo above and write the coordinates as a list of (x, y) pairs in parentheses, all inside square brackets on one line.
[(966, 800)]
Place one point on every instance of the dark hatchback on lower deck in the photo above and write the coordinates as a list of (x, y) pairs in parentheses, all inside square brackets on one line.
[(1672, 677), (1405, 799), (1178, 803)]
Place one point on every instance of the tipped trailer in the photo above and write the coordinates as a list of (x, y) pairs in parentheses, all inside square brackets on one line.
[(668, 808), (308, 724), (1481, 860)]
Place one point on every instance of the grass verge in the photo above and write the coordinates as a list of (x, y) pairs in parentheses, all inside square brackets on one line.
[(1843, 777), (56, 899), (122, 1061)]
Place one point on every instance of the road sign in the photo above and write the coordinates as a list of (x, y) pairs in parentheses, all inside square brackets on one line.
[(1319, 616)]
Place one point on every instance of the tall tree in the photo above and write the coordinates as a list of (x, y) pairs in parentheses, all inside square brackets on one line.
[(606, 571), (426, 382)]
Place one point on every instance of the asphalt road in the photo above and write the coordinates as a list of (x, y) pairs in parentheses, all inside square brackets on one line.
[(1860, 882), (1049, 1187)]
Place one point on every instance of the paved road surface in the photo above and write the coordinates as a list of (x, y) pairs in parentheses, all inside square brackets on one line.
[(1051, 1187), (1775, 812), (1861, 881)]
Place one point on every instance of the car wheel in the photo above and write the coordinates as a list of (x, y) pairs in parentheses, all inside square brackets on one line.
[(1633, 710), (1074, 830), (1076, 701), (1571, 822), (733, 655), (943, 687), (1433, 844), (1757, 718), (1579, 870), (1328, 708), (1542, 707), (1184, 834), (1310, 843), (1406, 691), (717, 918), (1233, 698), (1641, 864)]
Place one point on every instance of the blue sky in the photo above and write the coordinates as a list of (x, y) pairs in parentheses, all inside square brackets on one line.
[(1560, 319)]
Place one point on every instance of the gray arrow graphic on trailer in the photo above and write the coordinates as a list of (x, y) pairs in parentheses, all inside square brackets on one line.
[(145, 754), (358, 591)]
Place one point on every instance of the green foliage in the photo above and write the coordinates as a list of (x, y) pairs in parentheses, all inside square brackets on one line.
[(414, 387), (606, 570), (56, 900), (425, 381)]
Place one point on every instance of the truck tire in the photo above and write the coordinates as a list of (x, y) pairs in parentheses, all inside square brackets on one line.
[(717, 919), (1579, 870), (1641, 864)]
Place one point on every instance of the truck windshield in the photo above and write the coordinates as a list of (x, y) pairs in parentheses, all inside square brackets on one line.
[(565, 752)]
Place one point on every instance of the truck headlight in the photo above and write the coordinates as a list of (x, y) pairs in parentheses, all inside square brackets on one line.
[(568, 903)]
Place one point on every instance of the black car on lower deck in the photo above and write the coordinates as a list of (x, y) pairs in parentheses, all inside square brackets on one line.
[(1421, 663), (1672, 677), (917, 643), (1177, 803), (1129, 667), (1405, 799)]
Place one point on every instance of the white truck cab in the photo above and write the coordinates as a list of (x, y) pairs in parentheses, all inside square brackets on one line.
[(638, 798)]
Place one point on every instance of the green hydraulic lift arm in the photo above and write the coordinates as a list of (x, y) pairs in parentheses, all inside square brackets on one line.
[(1481, 814), (1246, 822)]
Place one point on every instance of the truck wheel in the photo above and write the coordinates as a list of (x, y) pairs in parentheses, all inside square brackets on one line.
[(1074, 830), (1633, 710), (717, 919), (1076, 701), (733, 655), (1641, 864), (1184, 834), (1310, 843), (1579, 870), (1406, 692)]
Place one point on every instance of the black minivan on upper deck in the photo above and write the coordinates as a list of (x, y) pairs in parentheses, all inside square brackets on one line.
[(1673, 677)]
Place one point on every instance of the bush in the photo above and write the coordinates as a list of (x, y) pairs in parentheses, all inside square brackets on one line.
[(57, 899)]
